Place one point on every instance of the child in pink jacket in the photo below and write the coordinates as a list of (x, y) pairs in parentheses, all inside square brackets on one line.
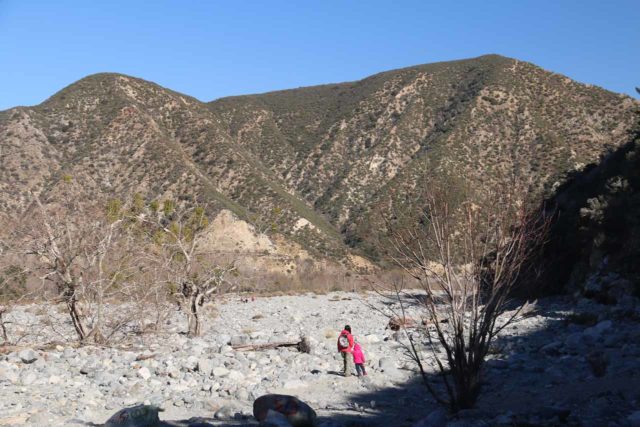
[(358, 359)]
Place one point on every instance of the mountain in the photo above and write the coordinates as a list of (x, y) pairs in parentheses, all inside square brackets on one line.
[(312, 166)]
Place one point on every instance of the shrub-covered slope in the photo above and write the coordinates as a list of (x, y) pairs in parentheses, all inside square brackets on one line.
[(313, 164)]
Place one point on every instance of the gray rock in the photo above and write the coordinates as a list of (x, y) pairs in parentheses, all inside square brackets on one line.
[(89, 369), (44, 419), (242, 394), (222, 339), (575, 342), (9, 373), (387, 364), (598, 330), (205, 366), (220, 371), (551, 348), (28, 377), (634, 419), (191, 363), (28, 356), (437, 418), (239, 340), (235, 376), (224, 413)]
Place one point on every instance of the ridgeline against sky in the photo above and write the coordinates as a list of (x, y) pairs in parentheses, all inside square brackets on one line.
[(214, 49)]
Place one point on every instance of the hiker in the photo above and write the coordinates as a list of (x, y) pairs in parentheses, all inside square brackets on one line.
[(358, 359), (345, 347)]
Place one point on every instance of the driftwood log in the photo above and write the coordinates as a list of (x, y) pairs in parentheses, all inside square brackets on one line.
[(303, 346)]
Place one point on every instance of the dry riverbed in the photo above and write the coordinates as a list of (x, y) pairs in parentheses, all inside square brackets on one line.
[(540, 371)]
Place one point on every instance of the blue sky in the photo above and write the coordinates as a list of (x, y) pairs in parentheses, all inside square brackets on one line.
[(210, 48)]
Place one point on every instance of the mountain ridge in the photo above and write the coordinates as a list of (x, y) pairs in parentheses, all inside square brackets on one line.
[(312, 164)]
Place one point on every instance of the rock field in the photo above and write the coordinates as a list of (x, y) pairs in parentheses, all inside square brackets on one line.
[(570, 362)]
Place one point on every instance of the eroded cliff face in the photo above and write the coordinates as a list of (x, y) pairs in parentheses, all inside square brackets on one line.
[(311, 166)]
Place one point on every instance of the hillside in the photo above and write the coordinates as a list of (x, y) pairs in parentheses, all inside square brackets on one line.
[(594, 244), (312, 165)]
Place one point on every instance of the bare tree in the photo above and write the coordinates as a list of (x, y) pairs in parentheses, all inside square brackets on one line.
[(466, 257), (82, 252), (12, 290), (193, 275)]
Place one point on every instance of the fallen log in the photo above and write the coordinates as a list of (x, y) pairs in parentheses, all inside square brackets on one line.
[(303, 346)]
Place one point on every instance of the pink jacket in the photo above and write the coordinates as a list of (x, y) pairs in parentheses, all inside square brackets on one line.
[(358, 355)]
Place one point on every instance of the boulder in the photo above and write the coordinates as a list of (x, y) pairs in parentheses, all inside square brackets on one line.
[(136, 416), (297, 413), (28, 356)]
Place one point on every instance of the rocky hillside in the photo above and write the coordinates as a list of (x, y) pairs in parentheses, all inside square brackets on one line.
[(313, 164), (594, 244)]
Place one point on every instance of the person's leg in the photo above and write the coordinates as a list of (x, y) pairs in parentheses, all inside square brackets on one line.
[(345, 364), (348, 364), (364, 371), (359, 369)]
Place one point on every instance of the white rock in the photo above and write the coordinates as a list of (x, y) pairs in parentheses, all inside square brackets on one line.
[(371, 338), (235, 375), (220, 371), (144, 373), (191, 363), (54, 379), (293, 384)]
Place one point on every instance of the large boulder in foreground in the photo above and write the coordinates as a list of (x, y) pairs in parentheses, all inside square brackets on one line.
[(298, 413), (136, 416)]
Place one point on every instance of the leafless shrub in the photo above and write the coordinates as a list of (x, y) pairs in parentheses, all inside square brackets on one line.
[(84, 255), (466, 258), (191, 271), (13, 291)]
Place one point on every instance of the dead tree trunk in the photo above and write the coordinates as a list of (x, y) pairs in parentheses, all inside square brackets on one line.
[(303, 346), (195, 301), (3, 327), (76, 319)]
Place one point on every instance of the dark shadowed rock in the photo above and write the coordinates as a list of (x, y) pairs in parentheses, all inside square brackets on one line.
[(634, 419), (437, 418), (298, 413), (136, 416)]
